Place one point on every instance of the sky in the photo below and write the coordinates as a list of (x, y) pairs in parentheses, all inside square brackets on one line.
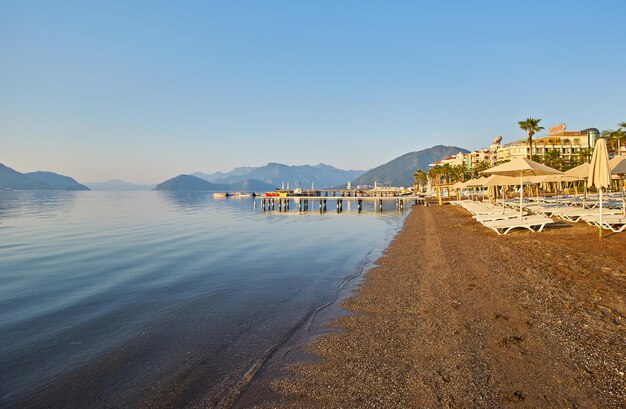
[(144, 91)]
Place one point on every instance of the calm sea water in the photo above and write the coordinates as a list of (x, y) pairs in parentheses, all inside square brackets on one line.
[(114, 299)]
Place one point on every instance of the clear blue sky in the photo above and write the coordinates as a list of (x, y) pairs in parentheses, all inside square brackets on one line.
[(144, 91)]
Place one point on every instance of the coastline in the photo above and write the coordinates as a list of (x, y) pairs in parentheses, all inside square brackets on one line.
[(255, 389), (453, 315)]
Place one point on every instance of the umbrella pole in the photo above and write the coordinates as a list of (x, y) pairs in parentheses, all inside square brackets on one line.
[(600, 227), (521, 194), (623, 199)]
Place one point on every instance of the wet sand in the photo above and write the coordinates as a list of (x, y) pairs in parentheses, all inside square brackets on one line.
[(456, 316)]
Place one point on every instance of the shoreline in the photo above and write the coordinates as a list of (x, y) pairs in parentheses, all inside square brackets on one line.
[(256, 390), (454, 315)]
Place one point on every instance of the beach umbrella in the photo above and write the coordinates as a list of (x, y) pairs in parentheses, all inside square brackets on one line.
[(618, 168), (499, 180), (599, 172), (457, 186), (554, 179), (475, 183), (581, 172), (520, 167)]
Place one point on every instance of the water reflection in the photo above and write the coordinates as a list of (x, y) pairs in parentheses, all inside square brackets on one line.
[(39, 203), (187, 201), (131, 294)]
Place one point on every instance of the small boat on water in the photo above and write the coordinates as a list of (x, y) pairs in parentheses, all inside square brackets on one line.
[(220, 194), (244, 195), (272, 194)]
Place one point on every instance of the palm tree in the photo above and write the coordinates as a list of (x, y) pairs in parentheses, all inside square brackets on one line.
[(434, 174), (479, 167), (420, 178), (531, 126), (615, 139), (622, 124)]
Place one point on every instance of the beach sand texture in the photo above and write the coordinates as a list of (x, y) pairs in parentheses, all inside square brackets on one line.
[(456, 316)]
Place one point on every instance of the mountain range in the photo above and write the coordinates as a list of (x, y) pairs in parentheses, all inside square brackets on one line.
[(399, 171), (40, 180), (276, 174)]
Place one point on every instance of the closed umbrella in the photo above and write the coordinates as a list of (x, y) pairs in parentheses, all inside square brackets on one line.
[(521, 167), (599, 172)]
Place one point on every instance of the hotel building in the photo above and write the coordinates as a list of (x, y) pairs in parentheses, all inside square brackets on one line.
[(567, 143)]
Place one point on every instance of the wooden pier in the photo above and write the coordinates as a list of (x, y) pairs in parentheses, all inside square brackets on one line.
[(307, 203)]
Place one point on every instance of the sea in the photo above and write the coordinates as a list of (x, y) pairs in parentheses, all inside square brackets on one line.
[(165, 299)]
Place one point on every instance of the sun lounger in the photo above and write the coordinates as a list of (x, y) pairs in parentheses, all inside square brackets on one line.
[(593, 216), (532, 223), (483, 218), (574, 214), (616, 222)]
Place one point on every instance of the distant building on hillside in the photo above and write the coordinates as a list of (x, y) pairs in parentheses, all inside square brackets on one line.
[(567, 143), (472, 158)]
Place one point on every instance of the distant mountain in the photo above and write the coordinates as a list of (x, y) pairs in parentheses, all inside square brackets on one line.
[(276, 174), (189, 182), (56, 181), (118, 185), (252, 185), (399, 172), (242, 171), (14, 180)]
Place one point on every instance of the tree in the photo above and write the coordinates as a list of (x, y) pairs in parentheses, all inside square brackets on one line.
[(553, 159), (531, 126), (614, 139), (434, 174), (457, 173), (479, 167), (420, 178)]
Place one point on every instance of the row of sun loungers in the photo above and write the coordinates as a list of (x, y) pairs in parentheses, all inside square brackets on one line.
[(539, 213), (503, 220)]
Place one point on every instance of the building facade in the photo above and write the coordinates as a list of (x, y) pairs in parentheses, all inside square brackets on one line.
[(568, 144)]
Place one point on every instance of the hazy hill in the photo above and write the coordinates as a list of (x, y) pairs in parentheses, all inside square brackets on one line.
[(252, 185), (189, 182), (214, 177), (118, 185), (399, 171), (12, 179), (276, 173), (56, 181)]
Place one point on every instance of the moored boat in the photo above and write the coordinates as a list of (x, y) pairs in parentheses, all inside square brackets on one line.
[(220, 194)]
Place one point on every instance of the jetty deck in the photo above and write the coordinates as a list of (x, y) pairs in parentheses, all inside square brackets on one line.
[(306, 203)]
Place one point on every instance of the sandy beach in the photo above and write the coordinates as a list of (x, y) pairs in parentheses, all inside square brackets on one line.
[(456, 316)]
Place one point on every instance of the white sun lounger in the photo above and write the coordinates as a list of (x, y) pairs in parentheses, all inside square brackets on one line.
[(483, 218), (616, 223), (532, 223), (574, 214)]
